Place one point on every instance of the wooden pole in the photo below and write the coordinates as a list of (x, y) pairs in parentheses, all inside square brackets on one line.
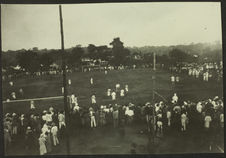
[(153, 99), (67, 120)]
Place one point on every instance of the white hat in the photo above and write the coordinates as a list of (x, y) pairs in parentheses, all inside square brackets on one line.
[(28, 127), (14, 114)]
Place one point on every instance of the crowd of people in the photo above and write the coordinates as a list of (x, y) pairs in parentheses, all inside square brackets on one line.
[(46, 127), (206, 71), (44, 131)]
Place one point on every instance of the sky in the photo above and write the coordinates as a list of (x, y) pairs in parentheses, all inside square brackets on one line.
[(137, 24)]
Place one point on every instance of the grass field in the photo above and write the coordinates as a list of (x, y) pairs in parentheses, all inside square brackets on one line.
[(107, 139), (138, 80)]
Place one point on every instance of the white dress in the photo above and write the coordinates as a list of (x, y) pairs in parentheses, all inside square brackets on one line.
[(42, 145)]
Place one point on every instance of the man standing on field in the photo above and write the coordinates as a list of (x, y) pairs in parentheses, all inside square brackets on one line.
[(91, 81), (113, 95), (93, 99)]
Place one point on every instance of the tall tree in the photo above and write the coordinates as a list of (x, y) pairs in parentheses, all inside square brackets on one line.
[(119, 52), (29, 61)]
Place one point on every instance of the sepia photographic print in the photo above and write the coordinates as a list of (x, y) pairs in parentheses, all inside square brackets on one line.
[(112, 78)]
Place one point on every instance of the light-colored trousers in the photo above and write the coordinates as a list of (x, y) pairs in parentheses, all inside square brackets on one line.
[(55, 140), (93, 121)]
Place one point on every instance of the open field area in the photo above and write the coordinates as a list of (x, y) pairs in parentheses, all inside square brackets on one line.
[(109, 140), (138, 80)]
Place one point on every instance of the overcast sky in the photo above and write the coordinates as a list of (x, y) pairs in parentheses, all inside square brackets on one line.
[(137, 24)]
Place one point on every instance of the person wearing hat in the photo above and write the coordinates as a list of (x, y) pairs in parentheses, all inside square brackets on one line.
[(122, 93), (7, 139), (14, 124), (54, 131), (92, 118), (42, 144), (23, 122), (113, 95), (49, 118), (61, 119), (117, 87), (102, 116), (159, 124), (29, 139), (148, 112)]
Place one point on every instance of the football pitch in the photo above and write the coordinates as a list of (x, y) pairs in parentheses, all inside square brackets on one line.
[(139, 81)]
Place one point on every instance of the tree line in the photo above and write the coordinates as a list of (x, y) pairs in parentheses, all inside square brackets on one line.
[(34, 60)]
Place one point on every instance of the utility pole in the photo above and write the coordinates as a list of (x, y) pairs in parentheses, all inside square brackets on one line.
[(153, 77), (67, 119), (153, 98)]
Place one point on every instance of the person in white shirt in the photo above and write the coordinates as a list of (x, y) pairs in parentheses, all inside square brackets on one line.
[(113, 95), (76, 108), (168, 115), (204, 76), (190, 72), (207, 76), (44, 115), (91, 81), (129, 113), (69, 82), (109, 92), (193, 71), (92, 118), (45, 128), (13, 95), (159, 123), (74, 100), (11, 83), (93, 99), (197, 74), (51, 110), (54, 131), (222, 120), (122, 93), (183, 121), (61, 119), (117, 87), (49, 117), (42, 144), (177, 79), (126, 88), (207, 120), (172, 79), (32, 105), (199, 107), (174, 98)]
